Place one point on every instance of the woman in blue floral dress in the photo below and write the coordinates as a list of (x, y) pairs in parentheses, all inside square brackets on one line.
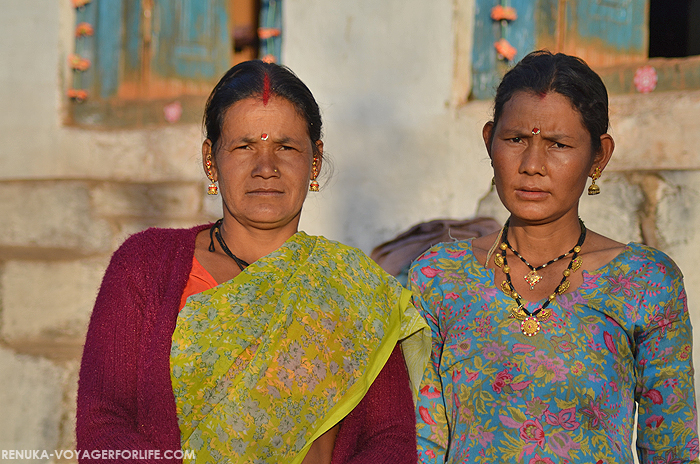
[(547, 337)]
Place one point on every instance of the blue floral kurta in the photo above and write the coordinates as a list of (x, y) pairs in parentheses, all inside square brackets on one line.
[(566, 395)]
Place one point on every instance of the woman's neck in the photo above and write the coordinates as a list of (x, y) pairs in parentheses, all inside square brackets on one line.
[(541, 242), (250, 243)]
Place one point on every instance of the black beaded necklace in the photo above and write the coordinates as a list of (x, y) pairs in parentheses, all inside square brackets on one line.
[(530, 322), (215, 231), (532, 277)]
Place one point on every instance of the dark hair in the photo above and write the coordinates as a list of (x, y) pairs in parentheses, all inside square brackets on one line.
[(249, 79), (541, 72)]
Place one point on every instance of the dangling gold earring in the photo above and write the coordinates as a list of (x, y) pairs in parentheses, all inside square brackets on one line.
[(212, 189), (594, 189), (313, 185)]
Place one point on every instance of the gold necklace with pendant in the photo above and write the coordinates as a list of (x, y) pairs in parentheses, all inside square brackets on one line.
[(532, 277), (530, 323)]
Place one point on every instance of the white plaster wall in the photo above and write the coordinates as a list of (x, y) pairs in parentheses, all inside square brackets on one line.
[(382, 73)]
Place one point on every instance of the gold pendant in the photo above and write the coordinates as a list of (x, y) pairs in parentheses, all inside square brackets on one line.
[(506, 288), (544, 315), (563, 287), (575, 264), (517, 313), (530, 326), (532, 278), (498, 260)]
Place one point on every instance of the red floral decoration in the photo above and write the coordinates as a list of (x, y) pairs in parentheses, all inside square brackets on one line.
[(84, 30), (268, 32), (78, 63), (645, 79), (505, 49), (500, 13), (78, 95)]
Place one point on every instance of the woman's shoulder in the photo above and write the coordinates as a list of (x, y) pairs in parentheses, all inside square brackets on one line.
[(155, 242), (444, 255), (334, 247), (637, 255)]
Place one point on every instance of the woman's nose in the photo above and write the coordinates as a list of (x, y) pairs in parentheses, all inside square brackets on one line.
[(533, 158), (266, 163)]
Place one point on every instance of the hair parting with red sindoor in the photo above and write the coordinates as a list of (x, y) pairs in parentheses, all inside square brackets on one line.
[(266, 89)]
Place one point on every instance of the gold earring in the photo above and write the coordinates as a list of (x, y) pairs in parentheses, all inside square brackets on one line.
[(594, 189), (313, 185), (212, 189)]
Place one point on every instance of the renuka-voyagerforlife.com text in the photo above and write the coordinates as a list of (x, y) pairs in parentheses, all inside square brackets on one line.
[(95, 454)]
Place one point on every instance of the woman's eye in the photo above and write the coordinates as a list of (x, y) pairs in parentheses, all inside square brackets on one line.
[(559, 145), (514, 139)]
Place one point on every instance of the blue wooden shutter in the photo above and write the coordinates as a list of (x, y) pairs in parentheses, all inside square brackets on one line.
[(602, 32), (192, 40)]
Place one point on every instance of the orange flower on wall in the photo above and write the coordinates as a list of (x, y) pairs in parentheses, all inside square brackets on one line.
[(84, 30), (80, 3), (269, 58), (78, 63), (78, 95), (500, 13), (505, 49), (268, 32)]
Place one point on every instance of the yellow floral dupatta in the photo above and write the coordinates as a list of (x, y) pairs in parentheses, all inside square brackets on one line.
[(264, 364)]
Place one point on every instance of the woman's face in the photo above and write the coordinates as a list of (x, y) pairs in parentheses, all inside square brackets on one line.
[(263, 163), (542, 155)]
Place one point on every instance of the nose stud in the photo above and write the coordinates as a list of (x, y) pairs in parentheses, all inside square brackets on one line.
[(264, 136), (535, 131)]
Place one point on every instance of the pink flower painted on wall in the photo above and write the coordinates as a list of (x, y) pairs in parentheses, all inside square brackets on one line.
[(645, 79), (172, 112)]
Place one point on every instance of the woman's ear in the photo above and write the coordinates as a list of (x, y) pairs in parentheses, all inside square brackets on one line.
[(318, 155), (208, 161), (607, 145), (487, 132)]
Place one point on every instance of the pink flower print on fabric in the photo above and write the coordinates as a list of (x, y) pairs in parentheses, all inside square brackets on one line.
[(593, 411), (429, 272), (543, 367), (494, 352), (503, 378), (532, 431), (566, 419), (539, 460), (618, 282)]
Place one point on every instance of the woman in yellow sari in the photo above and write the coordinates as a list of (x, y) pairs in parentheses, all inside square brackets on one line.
[(248, 341)]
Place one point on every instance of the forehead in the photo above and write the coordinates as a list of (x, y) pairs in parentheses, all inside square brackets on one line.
[(252, 114), (551, 111)]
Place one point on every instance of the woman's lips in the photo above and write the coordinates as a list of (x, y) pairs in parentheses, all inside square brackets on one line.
[(527, 193), (265, 192)]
